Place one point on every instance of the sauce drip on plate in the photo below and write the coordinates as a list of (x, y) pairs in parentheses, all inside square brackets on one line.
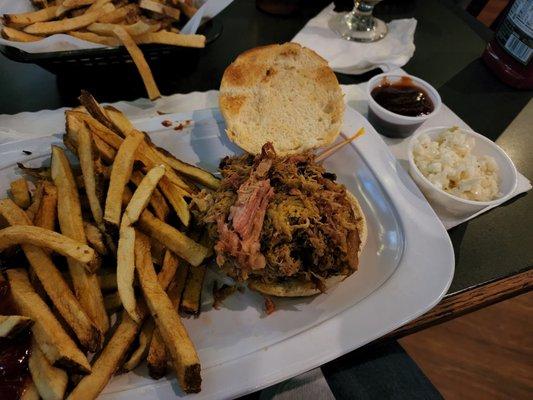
[(14, 353), (402, 97)]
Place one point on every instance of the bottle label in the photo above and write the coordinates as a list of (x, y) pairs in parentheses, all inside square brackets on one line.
[(515, 34), (521, 14)]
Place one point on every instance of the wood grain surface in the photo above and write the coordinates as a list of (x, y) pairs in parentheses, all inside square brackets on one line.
[(487, 354), (469, 300)]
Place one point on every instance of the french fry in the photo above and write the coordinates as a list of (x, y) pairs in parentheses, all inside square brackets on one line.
[(71, 5), (157, 360), (30, 392), (125, 258), (157, 354), (109, 360), (37, 197), (97, 112), (145, 337), (107, 153), (67, 24), (86, 157), (172, 39), (106, 135), (74, 120), (120, 14), (47, 212), (119, 120), (147, 153), (56, 345), (186, 8), (150, 157), (142, 195), (77, 3), (183, 354), (138, 28), (108, 125), (176, 200), (170, 265), (157, 201), (186, 248), (195, 173), (95, 38), (23, 19), (120, 176), (68, 5), (20, 193), (102, 150), (192, 294), (94, 238), (139, 61), (55, 286), (70, 220), (160, 8), (51, 382), (90, 163), (126, 271), (191, 299), (12, 325), (40, 237), (98, 5)]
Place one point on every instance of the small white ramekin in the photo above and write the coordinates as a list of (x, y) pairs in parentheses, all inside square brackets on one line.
[(392, 124), (457, 206)]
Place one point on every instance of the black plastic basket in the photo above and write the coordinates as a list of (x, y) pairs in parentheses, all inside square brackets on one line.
[(114, 59)]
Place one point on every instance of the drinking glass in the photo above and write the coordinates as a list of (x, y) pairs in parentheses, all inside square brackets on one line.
[(359, 25)]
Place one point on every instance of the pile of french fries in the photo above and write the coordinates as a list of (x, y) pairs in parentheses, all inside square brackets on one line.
[(108, 22), (108, 221)]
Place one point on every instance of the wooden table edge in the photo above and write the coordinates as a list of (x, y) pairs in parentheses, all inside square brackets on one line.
[(470, 299)]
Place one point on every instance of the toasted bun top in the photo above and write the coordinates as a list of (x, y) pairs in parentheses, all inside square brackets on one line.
[(295, 288), (285, 94)]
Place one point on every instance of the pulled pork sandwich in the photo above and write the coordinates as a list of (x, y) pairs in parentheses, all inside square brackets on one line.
[(282, 224)]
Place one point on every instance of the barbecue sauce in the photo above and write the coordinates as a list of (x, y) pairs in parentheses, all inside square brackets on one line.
[(403, 97), (14, 353)]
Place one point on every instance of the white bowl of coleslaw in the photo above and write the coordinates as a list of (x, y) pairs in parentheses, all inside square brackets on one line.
[(460, 171)]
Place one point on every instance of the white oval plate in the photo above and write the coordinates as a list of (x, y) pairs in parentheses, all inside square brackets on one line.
[(405, 269)]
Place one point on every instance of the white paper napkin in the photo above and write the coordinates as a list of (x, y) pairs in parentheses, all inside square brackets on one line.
[(206, 9), (47, 122), (393, 51)]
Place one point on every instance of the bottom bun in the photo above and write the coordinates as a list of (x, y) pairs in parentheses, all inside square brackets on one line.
[(297, 288), (293, 287)]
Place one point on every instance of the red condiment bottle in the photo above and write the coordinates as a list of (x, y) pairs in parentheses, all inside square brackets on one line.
[(510, 53)]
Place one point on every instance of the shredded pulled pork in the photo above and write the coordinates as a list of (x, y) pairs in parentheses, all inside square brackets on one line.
[(239, 237), (278, 217)]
